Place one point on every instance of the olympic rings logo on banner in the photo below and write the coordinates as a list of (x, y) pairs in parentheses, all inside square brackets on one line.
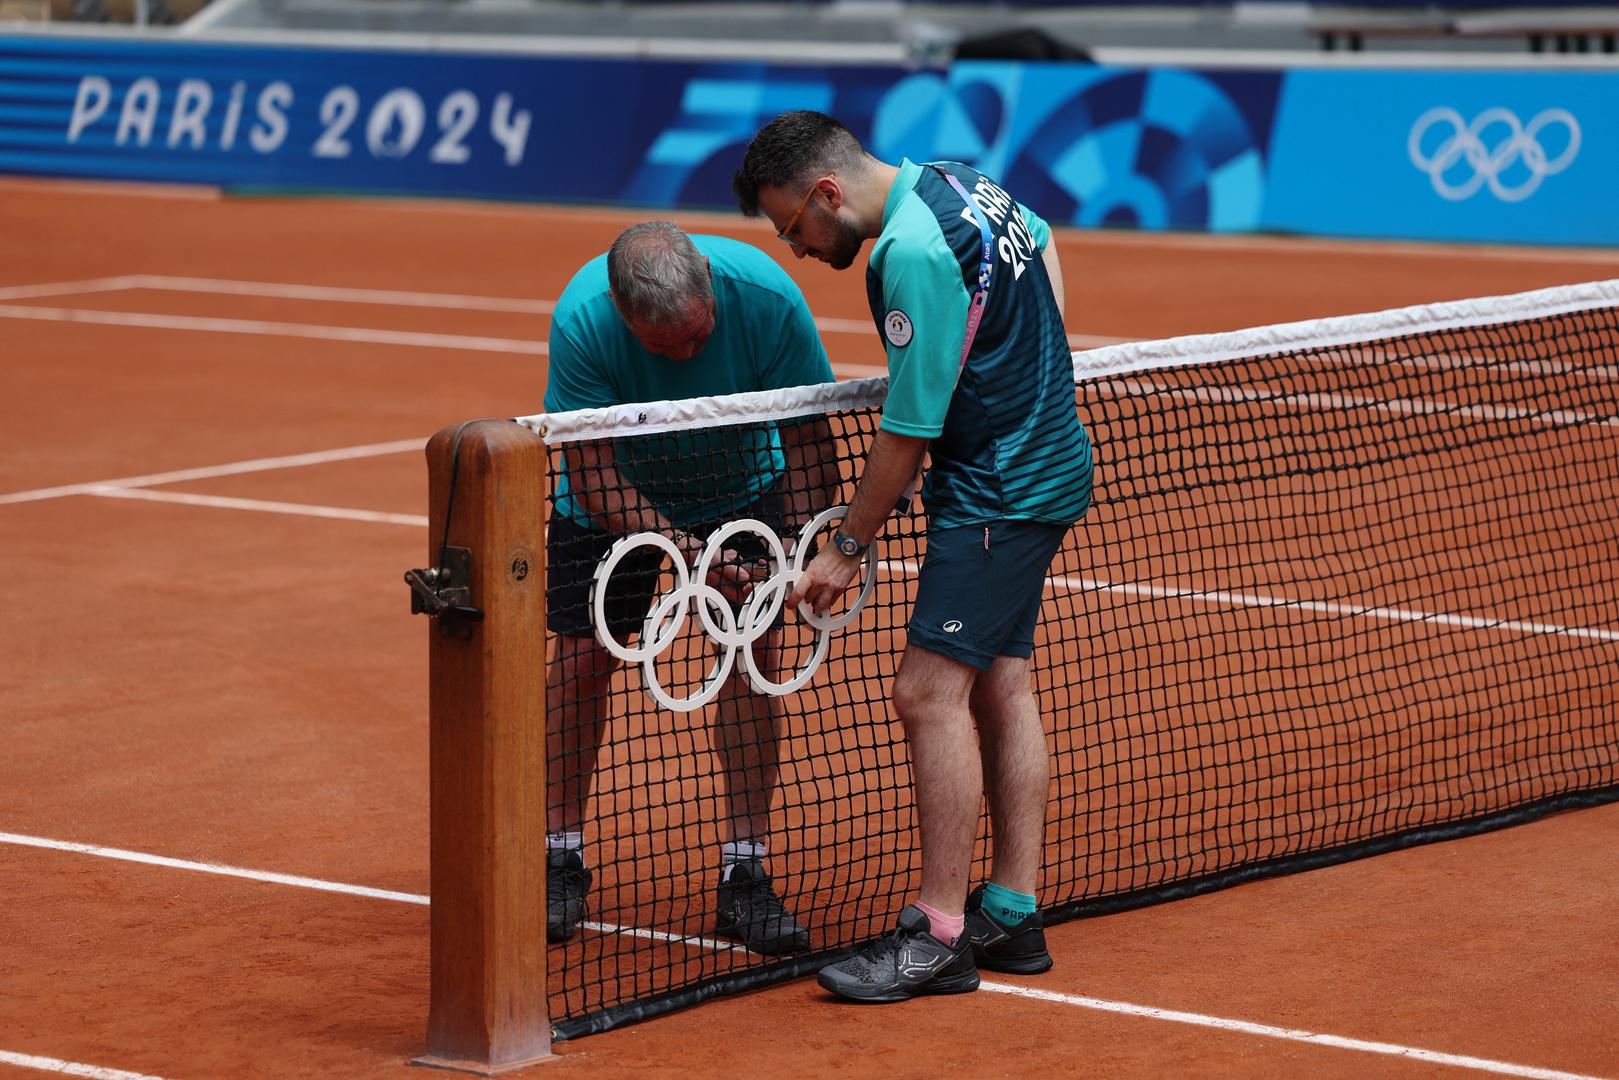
[(1521, 143), (733, 632)]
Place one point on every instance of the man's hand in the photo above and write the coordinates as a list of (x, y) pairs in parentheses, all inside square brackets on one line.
[(891, 465), (730, 573), (735, 577), (825, 579), (690, 547)]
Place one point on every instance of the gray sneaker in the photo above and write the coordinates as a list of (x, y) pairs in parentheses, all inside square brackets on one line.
[(1019, 949), (904, 963), (566, 883), (749, 911)]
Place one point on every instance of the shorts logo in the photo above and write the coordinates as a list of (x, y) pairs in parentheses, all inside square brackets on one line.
[(897, 326), (952, 626)]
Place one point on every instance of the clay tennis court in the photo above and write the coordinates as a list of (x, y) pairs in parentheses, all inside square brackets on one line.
[(213, 481)]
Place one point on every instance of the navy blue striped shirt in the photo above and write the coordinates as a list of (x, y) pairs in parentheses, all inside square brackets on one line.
[(1007, 441)]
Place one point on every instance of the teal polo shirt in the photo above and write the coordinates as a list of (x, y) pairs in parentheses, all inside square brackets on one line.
[(764, 339)]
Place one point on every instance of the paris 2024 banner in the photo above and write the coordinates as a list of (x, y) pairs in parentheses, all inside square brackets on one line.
[(1509, 155)]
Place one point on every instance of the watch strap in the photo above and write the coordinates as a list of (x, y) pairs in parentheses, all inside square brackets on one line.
[(843, 542)]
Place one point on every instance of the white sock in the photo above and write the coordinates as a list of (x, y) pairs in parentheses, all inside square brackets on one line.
[(567, 841), (736, 851)]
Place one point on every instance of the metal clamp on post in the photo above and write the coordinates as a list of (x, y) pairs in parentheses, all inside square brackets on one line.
[(444, 593)]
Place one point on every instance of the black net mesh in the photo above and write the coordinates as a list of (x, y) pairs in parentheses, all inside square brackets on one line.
[(1327, 602)]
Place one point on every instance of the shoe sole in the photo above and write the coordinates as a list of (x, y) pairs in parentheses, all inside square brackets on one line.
[(959, 985), (1033, 966), (558, 932), (789, 945)]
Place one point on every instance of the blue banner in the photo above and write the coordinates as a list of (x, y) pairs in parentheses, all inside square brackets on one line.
[(1507, 155), (1154, 149), (383, 121), (1518, 156), (1463, 155)]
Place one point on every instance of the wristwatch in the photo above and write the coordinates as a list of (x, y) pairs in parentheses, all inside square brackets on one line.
[(849, 545)]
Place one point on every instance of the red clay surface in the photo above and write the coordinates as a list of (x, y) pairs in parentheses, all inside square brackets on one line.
[(246, 688)]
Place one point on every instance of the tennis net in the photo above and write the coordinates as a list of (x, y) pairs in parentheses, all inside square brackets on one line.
[(1346, 586)]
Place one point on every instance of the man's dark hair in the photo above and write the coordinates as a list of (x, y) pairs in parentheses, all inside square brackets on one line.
[(789, 149)]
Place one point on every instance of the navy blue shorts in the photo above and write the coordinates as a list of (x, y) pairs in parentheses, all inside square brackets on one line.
[(980, 589), (572, 553)]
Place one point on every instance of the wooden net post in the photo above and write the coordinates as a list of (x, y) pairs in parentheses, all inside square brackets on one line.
[(488, 749)]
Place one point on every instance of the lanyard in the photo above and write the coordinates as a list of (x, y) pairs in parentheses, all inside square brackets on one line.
[(986, 265)]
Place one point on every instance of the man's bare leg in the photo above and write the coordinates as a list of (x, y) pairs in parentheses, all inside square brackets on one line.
[(1017, 771), (931, 695), (747, 732), (576, 686), (577, 681)]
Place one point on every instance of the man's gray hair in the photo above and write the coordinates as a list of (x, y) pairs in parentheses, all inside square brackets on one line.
[(657, 274)]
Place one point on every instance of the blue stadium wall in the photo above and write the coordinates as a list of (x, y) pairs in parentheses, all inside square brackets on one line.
[(1508, 155)]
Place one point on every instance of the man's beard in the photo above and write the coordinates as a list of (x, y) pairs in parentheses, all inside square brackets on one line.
[(846, 245)]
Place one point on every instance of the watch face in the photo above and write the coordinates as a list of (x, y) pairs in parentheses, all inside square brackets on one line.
[(848, 545)]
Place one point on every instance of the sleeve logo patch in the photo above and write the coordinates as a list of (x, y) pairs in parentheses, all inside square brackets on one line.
[(897, 327)]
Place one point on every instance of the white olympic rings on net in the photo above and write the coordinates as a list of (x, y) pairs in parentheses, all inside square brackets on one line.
[(1465, 142), (727, 628)]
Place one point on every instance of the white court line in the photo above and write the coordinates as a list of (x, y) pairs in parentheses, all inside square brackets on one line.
[(864, 327), (1516, 367), (1225, 395), (210, 868), (1171, 241), (384, 297), (220, 502), (659, 935), (1124, 1008), (69, 1068), (267, 328), (277, 329), (318, 884), (907, 568), (858, 371), (337, 294), (1097, 341), (1244, 1027), (868, 371), (121, 489), (846, 326), (68, 288), (207, 472), (1326, 245), (1231, 599)]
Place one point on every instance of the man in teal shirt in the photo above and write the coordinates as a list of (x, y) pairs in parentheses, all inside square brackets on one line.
[(966, 290), (664, 316)]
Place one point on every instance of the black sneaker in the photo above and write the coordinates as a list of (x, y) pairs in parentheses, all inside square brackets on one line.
[(906, 962), (566, 883), (1016, 950), (752, 913)]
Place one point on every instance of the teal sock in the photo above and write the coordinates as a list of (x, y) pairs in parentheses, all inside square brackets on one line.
[(1007, 907)]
